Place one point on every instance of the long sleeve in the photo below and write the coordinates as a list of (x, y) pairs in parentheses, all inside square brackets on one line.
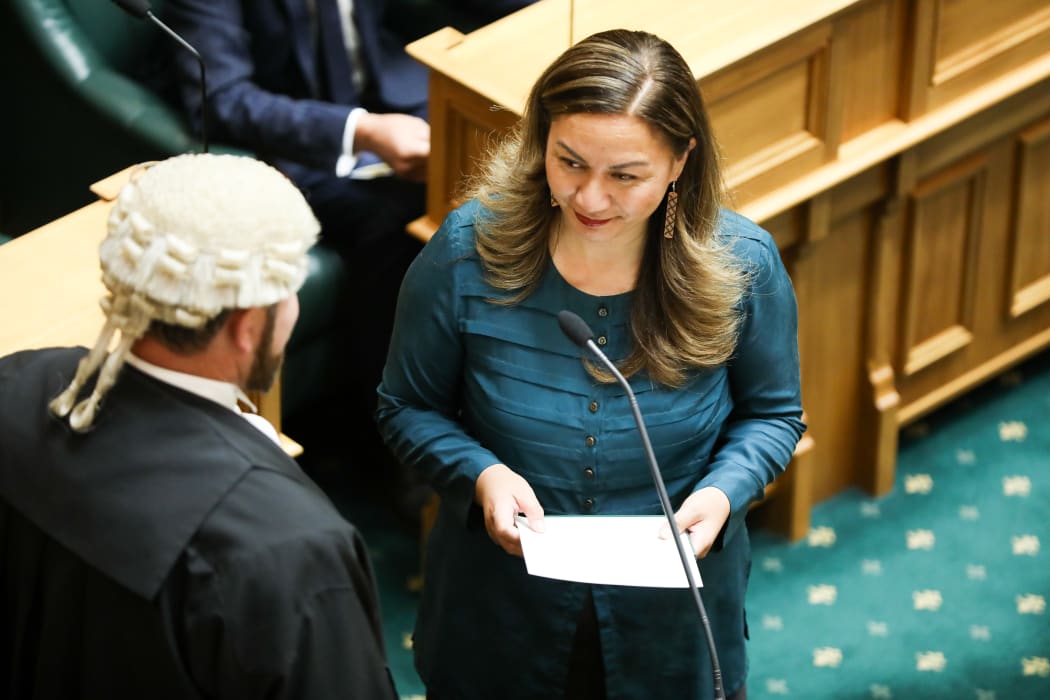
[(765, 422), (284, 119), (419, 406)]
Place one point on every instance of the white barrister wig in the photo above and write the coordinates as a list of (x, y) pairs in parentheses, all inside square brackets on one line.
[(187, 238)]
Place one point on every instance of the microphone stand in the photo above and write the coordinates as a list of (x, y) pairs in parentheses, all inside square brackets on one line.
[(141, 9), (200, 62), (580, 333)]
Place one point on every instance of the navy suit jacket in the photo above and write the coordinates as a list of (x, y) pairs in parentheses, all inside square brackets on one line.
[(264, 87)]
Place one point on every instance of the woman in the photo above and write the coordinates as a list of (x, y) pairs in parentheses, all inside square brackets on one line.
[(606, 201)]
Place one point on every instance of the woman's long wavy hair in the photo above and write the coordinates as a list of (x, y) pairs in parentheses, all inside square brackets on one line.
[(685, 310)]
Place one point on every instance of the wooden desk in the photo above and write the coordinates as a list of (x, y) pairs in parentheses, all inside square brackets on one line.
[(895, 149), (51, 286)]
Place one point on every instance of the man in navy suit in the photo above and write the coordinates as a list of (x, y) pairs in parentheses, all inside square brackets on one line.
[(324, 91)]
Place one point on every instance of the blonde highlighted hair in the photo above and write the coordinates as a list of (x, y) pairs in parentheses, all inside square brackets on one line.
[(686, 306)]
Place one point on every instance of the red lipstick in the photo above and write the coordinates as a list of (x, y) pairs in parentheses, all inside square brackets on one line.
[(587, 221)]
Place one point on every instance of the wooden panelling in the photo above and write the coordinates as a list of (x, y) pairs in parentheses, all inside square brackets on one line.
[(940, 260), (970, 32), (831, 286), (961, 44), (469, 125), (1008, 118), (871, 38), (794, 81), (1030, 270), (861, 191), (879, 410)]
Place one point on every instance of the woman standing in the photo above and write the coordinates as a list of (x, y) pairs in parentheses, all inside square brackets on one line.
[(606, 201)]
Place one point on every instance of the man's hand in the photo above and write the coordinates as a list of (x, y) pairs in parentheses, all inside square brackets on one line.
[(502, 494), (401, 140), (703, 515)]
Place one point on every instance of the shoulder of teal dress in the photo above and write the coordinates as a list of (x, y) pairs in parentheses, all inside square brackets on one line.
[(747, 239), (454, 239), (452, 254), (754, 248)]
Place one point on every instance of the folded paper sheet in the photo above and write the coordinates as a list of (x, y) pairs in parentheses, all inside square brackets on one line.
[(618, 550)]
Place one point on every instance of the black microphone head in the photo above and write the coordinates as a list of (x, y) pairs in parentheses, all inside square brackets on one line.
[(574, 327), (135, 8)]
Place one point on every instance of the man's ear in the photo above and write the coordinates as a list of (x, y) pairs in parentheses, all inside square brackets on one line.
[(244, 327)]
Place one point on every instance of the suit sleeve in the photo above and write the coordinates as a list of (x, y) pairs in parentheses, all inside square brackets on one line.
[(284, 123)]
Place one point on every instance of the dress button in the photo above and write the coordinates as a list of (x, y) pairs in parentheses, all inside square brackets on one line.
[(603, 312), (593, 406), (602, 340), (591, 442), (588, 503), (589, 473)]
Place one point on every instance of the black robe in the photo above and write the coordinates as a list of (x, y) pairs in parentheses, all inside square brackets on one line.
[(173, 551)]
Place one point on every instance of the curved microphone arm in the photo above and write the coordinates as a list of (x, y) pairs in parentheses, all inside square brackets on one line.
[(580, 333), (141, 9)]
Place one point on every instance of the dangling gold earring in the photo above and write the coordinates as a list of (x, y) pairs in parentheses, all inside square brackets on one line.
[(671, 213)]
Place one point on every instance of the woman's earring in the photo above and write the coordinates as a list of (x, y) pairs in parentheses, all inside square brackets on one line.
[(671, 213), (554, 202)]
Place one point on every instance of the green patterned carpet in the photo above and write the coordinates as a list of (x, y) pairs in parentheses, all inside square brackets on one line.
[(937, 590)]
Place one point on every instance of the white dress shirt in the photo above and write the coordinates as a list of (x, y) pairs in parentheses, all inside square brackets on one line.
[(223, 393), (348, 159)]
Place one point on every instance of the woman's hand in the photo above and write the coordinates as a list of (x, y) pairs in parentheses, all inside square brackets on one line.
[(502, 494), (703, 515)]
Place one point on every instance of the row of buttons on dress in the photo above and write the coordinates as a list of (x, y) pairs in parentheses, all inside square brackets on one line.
[(602, 313), (588, 472)]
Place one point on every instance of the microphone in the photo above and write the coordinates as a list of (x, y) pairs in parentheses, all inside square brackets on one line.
[(141, 9), (580, 333)]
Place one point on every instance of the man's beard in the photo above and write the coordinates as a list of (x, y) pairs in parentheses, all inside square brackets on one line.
[(265, 364)]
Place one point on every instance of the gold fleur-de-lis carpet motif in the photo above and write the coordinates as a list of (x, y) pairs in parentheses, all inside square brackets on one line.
[(937, 590)]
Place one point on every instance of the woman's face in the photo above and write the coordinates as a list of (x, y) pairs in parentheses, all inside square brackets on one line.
[(608, 174)]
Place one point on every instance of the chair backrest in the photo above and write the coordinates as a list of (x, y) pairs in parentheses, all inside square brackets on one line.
[(122, 40), (73, 113), (117, 64), (79, 37)]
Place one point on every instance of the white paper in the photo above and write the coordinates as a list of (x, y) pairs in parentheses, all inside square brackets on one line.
[(621, 550), (371, 171)]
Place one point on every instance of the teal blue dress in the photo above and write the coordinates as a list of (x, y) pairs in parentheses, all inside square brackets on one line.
[(469, 383)]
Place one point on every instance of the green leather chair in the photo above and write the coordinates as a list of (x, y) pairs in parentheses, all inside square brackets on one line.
[(80, 116), (93, 47)]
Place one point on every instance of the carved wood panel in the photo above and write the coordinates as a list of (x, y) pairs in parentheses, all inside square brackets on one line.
[(777, 114), (468, 125), (871, 39), (1029, 281), (959, 44), (940, 261)]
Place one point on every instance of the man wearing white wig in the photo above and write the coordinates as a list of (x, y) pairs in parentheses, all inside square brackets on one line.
[(155, 540)]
